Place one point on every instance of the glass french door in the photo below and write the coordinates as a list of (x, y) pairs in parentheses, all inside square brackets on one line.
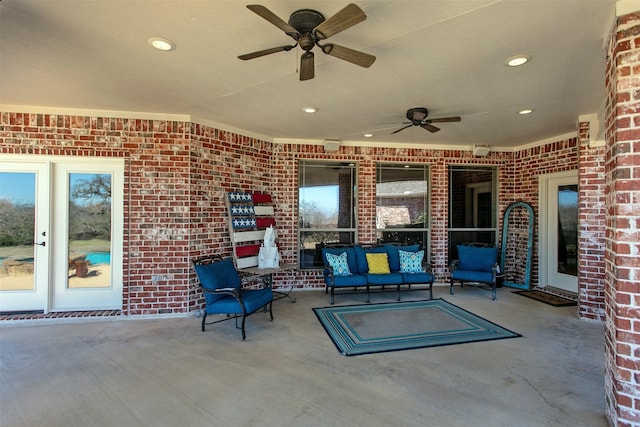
[(559, 231), (24, 229), (73, 211)]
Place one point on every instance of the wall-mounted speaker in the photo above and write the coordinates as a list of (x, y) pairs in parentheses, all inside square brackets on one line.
[(481, 150), (332, 144)]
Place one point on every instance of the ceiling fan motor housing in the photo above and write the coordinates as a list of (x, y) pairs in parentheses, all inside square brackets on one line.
[(417, 115), (305, 20)]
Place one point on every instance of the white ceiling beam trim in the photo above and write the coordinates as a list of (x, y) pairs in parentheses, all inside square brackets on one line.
[(27, 109)]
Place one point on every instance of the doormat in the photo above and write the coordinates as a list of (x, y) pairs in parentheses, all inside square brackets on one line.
[(547, 298), (375, 328)]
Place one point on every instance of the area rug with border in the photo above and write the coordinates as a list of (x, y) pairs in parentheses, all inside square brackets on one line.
[(547, 298), (393, 326)]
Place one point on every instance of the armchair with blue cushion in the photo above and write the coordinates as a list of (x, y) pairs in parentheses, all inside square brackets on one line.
[(223, 292), (476, 263)]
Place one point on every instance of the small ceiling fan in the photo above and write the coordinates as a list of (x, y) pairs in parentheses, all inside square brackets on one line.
[(418, 117), (308, 27)]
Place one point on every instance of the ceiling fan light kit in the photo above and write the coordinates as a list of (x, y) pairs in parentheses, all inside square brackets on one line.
[(308, 27)]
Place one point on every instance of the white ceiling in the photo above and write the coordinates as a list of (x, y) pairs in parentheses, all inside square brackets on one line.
[(446, 55)]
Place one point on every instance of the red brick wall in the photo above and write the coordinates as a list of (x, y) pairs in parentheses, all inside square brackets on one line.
[(622, 250), (530, 164), (517, 178), (177, 175), (219, 162), (591, 216)]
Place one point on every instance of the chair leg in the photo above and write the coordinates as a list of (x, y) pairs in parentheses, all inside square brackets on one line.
[(203, 319), (244, 335), (399, 292), (332, 288), (270, 310), (431, 290), (451, 287), (493, 291)]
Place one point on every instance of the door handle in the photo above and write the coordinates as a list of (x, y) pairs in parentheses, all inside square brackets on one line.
[(44, 234)]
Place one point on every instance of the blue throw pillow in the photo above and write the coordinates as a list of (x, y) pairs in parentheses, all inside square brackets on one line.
[(476, 259), (352, 262), (411, 262), (339, 264), (394, 258)]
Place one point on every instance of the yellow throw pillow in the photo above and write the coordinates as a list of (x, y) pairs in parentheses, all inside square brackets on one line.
[(378, 263)]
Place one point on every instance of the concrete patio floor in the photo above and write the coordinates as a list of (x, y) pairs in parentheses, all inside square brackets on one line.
[(166, 372)]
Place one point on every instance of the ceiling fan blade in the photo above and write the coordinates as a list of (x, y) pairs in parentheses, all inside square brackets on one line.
[(346, 18), (402, 128), (265, 13), (354, 56), (444, 120), (266, 52), (429, 127), (306, 66)]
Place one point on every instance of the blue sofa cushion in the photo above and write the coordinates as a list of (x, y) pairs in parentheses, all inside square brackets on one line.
[(252, 299), (217, 275), (345, 281), (351, 257), (384, 279), (361, 256), (476, 259), (394, 257), (472, 276), (424, 277)]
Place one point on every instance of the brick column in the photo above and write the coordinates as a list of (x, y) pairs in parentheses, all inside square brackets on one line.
[(591, 230), (622, 252), (439, 218)]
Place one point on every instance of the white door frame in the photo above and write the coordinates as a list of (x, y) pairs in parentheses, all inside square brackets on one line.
[(52, 260), (64, 298), (38, 297), (548, 243)]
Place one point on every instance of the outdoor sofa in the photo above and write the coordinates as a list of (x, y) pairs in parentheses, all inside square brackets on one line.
[(386, 267)]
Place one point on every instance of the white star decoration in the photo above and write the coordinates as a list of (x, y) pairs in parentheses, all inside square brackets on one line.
[(244, 223), (242, 210), (235, 196)]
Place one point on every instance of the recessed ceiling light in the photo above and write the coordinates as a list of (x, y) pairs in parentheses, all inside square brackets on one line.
[(525, 111), (161, 43), (368, 135), (518, 60), (309, 110)]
